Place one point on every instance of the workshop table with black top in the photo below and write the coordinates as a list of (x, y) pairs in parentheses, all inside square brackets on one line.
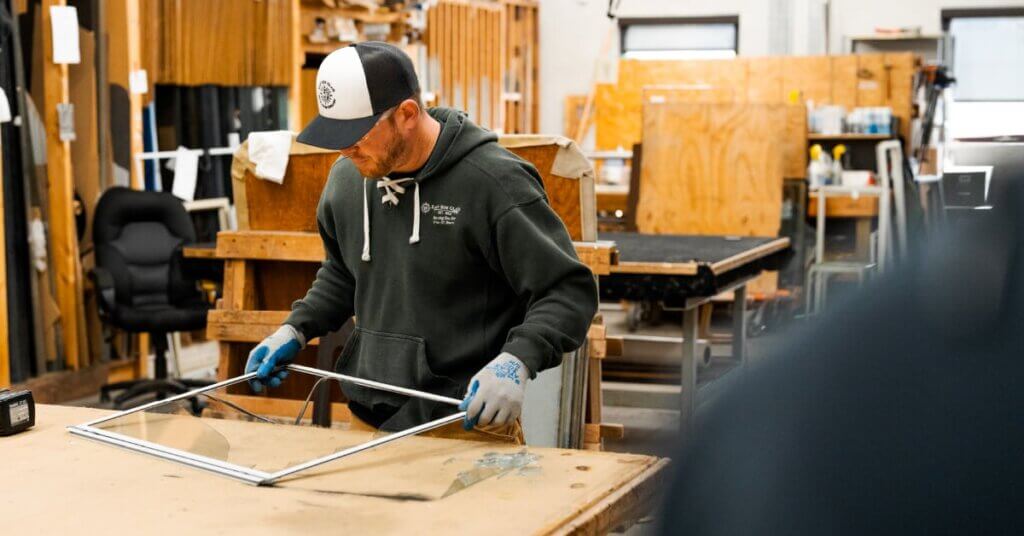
[(685, 272)]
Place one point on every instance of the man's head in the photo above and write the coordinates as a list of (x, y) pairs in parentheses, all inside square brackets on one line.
[(369, 106), (386, 145)]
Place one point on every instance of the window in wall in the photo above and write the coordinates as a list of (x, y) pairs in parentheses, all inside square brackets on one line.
[(679, 38), (986, 55)]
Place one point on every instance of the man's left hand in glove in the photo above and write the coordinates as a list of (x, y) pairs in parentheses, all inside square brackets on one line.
[(495, 395)]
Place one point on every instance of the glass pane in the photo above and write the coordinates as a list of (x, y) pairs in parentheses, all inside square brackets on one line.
[(233, 428)]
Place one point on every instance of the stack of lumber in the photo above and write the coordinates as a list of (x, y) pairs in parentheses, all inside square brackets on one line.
[(482, 57), (226, 42)]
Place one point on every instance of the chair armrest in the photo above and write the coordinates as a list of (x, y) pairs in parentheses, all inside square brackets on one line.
[(104, 283)]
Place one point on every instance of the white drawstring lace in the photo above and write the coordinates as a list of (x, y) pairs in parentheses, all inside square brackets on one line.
[(392, 189)]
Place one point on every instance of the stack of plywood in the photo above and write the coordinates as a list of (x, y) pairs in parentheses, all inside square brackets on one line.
[(851, 81)]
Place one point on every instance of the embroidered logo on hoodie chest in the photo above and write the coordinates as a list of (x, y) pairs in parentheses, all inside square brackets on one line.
[(441, 214)]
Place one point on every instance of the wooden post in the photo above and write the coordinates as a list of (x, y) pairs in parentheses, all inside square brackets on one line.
[(63, 238), (124, 55), (298, 57), (5, 347)]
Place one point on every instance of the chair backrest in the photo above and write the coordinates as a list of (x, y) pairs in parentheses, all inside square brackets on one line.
[(136, 236)]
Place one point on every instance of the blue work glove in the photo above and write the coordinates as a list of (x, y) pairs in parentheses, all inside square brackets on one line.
[(274, 351), (495, 395)]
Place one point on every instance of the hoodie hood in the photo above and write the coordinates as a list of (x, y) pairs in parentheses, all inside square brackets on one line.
[(458, 137)]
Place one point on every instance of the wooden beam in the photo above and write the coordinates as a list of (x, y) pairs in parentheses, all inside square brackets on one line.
[(270, 245), (245, 326), (598, 256), (63, 237), (5, 347), (125, 57)]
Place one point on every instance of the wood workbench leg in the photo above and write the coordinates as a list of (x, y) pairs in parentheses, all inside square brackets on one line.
[(862, 240), (688, 376), (739, 325)]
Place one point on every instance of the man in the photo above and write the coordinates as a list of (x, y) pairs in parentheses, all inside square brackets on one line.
[(467, 286)]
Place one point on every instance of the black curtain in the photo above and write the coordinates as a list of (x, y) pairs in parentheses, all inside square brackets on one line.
[(19, 300)]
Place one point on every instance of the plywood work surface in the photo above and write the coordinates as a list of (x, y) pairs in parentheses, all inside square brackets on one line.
[(392, 490)]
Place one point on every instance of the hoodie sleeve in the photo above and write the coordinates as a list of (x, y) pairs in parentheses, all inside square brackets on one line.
[(329, 303), (540, 263)]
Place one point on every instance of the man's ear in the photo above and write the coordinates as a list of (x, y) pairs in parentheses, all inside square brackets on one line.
[(408, 112)]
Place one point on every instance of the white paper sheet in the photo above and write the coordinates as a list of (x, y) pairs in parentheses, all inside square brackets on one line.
[(64, 24), (186, 171), (5, 107), (138, 82)]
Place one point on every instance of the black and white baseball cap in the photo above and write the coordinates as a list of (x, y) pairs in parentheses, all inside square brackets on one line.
[(354, 87)]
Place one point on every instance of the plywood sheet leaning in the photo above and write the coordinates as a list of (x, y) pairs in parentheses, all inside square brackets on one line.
[(811, 76), (711, 169), (764, 80), (844, 81)]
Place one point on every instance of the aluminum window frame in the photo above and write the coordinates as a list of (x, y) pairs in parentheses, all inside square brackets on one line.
[(248, 475)]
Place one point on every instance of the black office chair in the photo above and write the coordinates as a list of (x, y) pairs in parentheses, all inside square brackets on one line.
[(140, 281)]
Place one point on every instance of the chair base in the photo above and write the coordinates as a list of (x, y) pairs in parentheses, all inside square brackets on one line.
[(160, 387)]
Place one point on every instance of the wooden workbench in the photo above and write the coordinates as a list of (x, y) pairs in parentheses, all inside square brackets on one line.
[(70, 485)]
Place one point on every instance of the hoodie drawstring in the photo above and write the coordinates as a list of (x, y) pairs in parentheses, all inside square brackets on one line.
[(366, 222), (392, 188)]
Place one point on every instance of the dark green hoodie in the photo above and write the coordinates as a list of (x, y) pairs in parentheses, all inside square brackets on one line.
[(470, 262)]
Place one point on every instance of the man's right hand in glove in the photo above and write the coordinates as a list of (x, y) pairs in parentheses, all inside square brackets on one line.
[(276, 350)]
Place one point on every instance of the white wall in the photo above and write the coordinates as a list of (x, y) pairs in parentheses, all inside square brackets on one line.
[(572, 31), (859, 17)]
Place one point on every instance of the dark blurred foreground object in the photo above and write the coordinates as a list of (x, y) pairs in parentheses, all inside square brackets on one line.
[(902, 411)]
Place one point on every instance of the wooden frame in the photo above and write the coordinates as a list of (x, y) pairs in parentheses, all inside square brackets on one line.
[(63, 237)]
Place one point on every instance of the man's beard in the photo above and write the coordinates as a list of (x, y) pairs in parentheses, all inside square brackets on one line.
[(381, 168)]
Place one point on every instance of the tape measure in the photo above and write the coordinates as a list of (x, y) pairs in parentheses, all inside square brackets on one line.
[(17, 411)]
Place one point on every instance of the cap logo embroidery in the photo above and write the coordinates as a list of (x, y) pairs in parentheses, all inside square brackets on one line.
[(325, 92)]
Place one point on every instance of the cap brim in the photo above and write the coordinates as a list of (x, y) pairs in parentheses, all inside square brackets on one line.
[(335, 134)]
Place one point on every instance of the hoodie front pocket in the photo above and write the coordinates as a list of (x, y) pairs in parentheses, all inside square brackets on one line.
[(394, 359)]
